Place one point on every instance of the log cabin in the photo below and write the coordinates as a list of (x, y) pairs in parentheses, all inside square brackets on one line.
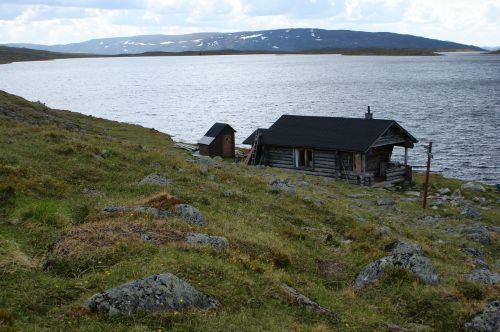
[(356, 149)]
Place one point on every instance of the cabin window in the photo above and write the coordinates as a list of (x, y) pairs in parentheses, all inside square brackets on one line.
[(304, 158)]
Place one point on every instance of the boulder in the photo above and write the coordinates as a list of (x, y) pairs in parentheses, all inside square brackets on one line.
[(155, 293), (456, 195), (278, 186), (417, 264), (399, 247), (155, 179), (487, 320), (190, 214), (484, 276), (307, 302), (217, 242), (473, 186)]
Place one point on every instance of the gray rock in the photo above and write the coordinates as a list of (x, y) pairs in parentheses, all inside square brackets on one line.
[(417, 264), (307, 302), (313, 201), (478, 233), (438, 202), (444, 191), (399, 247), (155, 179), (228, 193), (205, 160), (456, 195), (470, 212), (383, 231), (153, 212), (412, 193), (473, 186), (103, 154), (484, 276), (477, 256), (155, 293), (487, 320), (410, 199), (190, 214), (282, 186), (115, 209), (357, 195), (217, 242), (386, 201), (91, 192), (396, 328), (218, 159)]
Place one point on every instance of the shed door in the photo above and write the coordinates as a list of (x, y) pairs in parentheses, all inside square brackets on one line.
[(227, 145)]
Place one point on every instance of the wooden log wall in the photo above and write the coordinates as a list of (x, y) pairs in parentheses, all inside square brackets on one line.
[(324, 162)]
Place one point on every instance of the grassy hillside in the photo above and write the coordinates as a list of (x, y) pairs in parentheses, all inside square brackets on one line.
[(57, 250)]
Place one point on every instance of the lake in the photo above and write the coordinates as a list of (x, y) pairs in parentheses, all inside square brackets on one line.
[(453, 100)]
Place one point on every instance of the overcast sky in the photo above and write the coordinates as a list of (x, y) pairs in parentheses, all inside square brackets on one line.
[(64, 21)]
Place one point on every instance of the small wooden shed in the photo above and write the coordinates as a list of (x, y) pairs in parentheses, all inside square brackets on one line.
[(218, 141)]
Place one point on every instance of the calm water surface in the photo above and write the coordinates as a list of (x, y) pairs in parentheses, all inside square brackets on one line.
[(453, 100)]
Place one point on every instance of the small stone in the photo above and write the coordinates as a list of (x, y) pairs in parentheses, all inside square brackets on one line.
[(478, 233), (115, 209), (470, 212), (228, 193), (383, 231), (357, 195), (103, 154), (91, 192), (190, 214), (484, 276), (155, 179), (477, 256), (487, 320), (444, 191), (387, 201), (307, 302), (473, 186), (456, 195), (314, 201), (282, 186), (412, 193), (217, 242), (396, 328)]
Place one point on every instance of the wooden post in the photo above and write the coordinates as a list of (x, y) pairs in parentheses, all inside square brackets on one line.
[(406, 156), (426, 185)]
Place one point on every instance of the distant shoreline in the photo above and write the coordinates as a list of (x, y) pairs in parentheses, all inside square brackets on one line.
[(12, 54)]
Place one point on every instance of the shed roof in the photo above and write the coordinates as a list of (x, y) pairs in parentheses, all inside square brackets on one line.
[(213, 132), (217, 128), (334, 133)]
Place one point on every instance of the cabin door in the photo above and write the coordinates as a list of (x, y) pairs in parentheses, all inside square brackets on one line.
[(227, 145)]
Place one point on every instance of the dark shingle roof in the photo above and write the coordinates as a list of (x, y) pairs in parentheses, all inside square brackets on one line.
[(345, 134), (217, 128), (250, 139)]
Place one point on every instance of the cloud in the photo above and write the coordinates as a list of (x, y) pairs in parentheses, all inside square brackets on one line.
[(64, 21)]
